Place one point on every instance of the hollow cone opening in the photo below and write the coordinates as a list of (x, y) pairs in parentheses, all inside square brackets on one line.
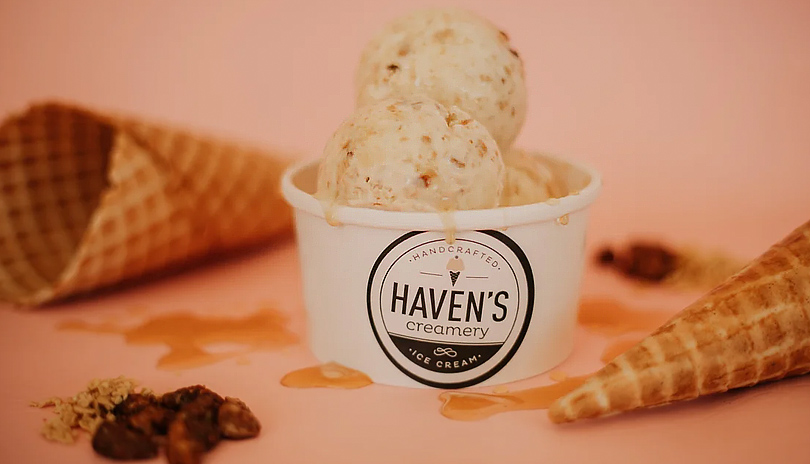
[(53, 164), (89, 200)]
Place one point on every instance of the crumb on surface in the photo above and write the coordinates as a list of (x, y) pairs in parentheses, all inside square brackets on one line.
[(702, 269), (683, 267), (87, 409)]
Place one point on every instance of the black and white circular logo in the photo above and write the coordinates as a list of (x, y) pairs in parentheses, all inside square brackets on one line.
[(450, 315)]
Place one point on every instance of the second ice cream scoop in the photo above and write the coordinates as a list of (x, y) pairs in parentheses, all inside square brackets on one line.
[(411, 154)]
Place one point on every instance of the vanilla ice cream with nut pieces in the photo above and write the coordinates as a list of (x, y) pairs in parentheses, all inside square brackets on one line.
[(528, 180), (454, 57), (411, 154)]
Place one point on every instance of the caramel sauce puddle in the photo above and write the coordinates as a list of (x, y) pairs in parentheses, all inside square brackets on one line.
[(611, 318), (187, 335), (617, 347), (464, 406), (603, 316), (329, 375)]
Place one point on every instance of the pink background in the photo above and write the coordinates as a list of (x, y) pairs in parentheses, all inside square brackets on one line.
[(695, 112)]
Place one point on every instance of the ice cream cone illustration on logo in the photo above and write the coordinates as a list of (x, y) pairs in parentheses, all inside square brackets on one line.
[(455, 265)]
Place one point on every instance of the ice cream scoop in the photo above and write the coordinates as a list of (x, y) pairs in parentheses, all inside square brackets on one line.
[(527, 179), (411, 154), (454, 57)]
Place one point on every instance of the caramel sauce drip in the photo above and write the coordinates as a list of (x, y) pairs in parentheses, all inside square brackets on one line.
[(465, 406), (611, 318), (329, 213), (449, 224), (329, 375), (187, 336)]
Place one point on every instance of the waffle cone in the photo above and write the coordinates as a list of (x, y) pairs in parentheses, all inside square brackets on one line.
[(89, 200), (752, 328)]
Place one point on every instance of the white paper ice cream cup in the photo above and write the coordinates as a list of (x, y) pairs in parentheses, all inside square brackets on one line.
[(381, 296)]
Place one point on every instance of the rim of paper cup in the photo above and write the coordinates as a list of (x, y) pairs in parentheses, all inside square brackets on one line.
[(480, 219)]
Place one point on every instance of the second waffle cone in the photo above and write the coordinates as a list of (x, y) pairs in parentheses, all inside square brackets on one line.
[(753, 328)]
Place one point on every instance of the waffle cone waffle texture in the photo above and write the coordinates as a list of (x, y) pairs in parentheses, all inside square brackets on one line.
[(753, 328), (89, 200)]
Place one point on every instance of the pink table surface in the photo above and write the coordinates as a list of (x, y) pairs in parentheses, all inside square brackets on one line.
[(376, 423), (695, 112)]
